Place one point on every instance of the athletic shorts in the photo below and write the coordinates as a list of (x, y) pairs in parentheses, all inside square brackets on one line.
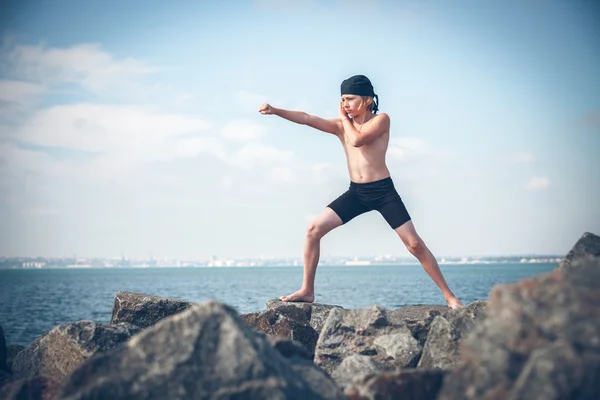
[(380, 195)]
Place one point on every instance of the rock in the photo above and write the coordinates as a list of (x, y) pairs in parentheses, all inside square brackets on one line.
[(59, 351), (143, 310), (273, 323), (11, 353), (36, 388), (446, 333), (540, 334), (349, 332), (418, 318), (357, 365), (408, 384), (587, 247), (400, 346), (204, 352), (4, 378), (290, 349), (314, 313), (2, 350)]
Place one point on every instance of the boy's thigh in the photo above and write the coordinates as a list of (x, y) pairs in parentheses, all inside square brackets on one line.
[(348, 206)]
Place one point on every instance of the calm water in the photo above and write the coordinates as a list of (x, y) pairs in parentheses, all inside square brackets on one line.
[(34, 301)]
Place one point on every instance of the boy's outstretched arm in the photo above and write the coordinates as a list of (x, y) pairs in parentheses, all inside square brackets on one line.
[(326, 125)]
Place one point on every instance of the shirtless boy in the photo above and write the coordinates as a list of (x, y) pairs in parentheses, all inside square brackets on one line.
[(364, 135)]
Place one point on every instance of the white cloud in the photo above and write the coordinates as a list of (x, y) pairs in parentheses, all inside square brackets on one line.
[(405, 148), (106, 128), (538, 183), (257, 154), (85, 64), (522, 158), (242, 131), (19, 92)]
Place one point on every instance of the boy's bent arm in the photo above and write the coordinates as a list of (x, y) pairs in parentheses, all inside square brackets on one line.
[(300, 117), (381, 124)]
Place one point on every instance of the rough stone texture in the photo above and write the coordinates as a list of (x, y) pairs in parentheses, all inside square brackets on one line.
[(143, 310), (357, 365), (4, 377), (314, 313), (409, 384), (60, 350), (36, 388), (302, 364), (538, 334), (11, 352), (348, 332), (2, 350), (400, 346), (295, 327), (446, 332), (418, 318), (204, 352), (587, 247)]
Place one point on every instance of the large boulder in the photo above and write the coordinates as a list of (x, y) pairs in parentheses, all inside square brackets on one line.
[(373, 331), (418, 318), (34, 388), (143, 310), (587, 247), (540, 339), (446, 332), (273, 323), (314, 314), (407, 384), (11, 352), (204, 352), (59, 351)]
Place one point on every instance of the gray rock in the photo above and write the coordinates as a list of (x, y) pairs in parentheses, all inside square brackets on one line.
[(586, 248), (5, 377), (408, 384), (446, 333), (349, 332), (356, 366), (400, 346), (204, 352), (34, 388), (11, 352), (542, 332), (59, 351), (314, 313), (418, 318), (143, 310), (273, 323)]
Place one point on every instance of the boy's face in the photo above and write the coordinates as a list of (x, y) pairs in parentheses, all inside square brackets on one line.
[(353, 104)]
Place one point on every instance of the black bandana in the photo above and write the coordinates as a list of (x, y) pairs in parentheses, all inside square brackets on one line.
[(360, 85)]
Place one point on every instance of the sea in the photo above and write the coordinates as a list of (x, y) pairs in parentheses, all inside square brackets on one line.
[(33, 301)]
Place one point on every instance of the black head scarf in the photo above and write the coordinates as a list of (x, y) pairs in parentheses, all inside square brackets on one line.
[(360, 85)]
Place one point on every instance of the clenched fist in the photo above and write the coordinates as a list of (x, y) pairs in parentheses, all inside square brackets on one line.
[(266, 109)]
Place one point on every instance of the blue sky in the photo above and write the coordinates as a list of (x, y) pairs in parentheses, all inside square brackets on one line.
[(132, 128)]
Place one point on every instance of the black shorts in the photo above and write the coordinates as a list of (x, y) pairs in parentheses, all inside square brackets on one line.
[(380, 195)]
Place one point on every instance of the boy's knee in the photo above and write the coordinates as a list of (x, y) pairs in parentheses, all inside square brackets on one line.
[(415, 245), (314, 231)]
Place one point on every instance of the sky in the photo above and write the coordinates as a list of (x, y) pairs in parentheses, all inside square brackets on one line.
[(132, 128)]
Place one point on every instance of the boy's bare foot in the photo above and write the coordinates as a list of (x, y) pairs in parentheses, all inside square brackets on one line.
[(453, 303), (301, 295)]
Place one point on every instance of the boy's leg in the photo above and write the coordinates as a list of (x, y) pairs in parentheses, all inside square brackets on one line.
[(319, 227), (395, 213), (417, 247), (338, 212)]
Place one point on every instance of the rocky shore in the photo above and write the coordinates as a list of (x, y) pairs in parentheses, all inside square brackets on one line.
[(536, 339)]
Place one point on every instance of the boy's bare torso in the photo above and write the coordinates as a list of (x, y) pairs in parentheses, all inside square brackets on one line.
[(366, 163)]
